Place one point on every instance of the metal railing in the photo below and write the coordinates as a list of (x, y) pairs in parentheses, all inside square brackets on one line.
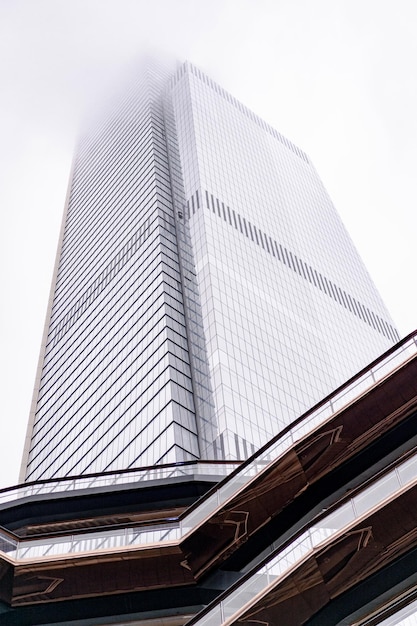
[(283, 561), (305, 425), (112, 479), (217, 497)]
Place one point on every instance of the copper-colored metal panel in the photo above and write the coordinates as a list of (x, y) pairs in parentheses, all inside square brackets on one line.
[(82, 577), (6, 581), (324, 450), (100, 521), (351, 558), (250, 510), (293, 602), (263, 499)]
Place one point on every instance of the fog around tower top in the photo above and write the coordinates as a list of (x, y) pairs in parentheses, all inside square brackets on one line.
[(336, 77)]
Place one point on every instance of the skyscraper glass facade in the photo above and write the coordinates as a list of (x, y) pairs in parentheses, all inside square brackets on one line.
[(203, 281)]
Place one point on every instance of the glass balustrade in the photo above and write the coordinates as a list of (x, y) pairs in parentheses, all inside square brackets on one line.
[(403, 476), (107, 540), (375, 496), (221, 468), (312, 420)]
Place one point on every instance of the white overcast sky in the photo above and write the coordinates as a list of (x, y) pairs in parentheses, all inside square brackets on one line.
[(338, 77)]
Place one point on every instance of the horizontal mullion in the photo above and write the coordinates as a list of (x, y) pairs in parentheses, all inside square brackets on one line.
[(46, 391), (62, 355), (99, 392), (132, 393), (120, 431), (63, 290), (85, 192), (99, 214), (119, 290), (133, 100)]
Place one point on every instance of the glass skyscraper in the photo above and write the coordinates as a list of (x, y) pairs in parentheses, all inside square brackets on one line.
[(205, 294), (206, 302)]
